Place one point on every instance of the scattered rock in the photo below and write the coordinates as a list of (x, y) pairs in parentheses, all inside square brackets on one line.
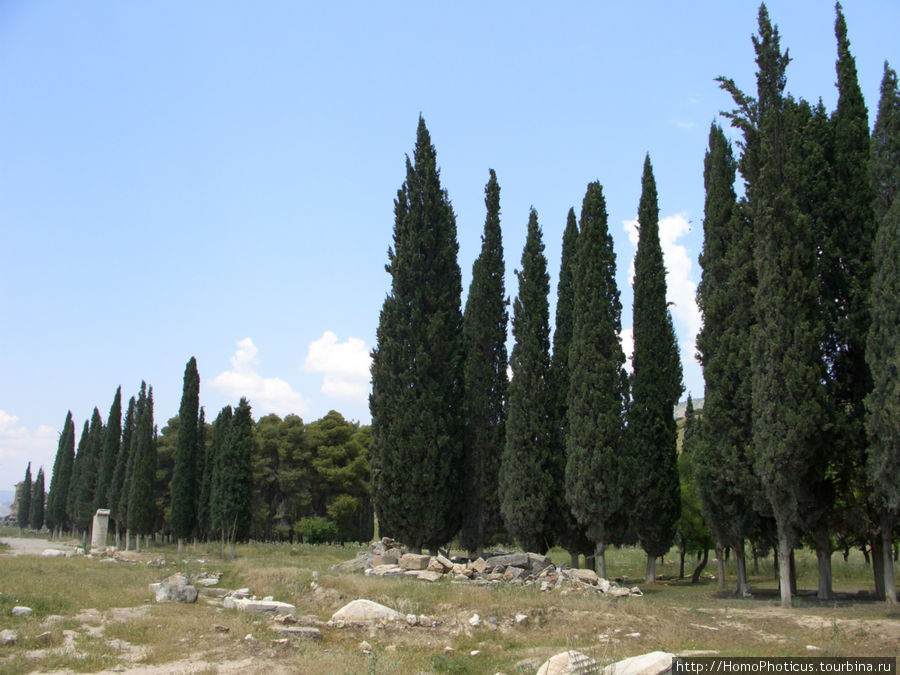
[(21, 611), (474, 621), (266, 607), (632, 635), (652, 663), (362, 561), (365, 647), (44, 637), (813, 648), (427, 575), (298, 632), (521, 618), (514, 559), (479, 565), (8, 637), (474, 652), (366, 611), (585, 575), (176, 589), (53, 553), (567, 662), (220, 629), (414, 561), (249, 638)]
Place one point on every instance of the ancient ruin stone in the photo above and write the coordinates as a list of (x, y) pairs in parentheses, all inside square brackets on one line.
[(414, 561), (176, 589), (366, 611)]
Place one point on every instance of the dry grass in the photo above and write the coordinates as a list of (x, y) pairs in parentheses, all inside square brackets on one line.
[(674, 615)]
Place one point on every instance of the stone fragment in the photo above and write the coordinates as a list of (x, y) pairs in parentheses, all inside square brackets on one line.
[(389, 557), (366, 611), (479, 565), (567, 662), (176, 589), (584, 575), (53, 553), (8, 637), (411, 620), (220, 629), (21, 611), (603, 585), (365, 647), (652, 663), (266, 607), (385, 571), (427, 575), (538, 562), (513, 572), (474, 621), (298, 632), (514, 559), (44, 637), (99, 528), (362, 560), (414, 561), (444, 561), (521, 618)]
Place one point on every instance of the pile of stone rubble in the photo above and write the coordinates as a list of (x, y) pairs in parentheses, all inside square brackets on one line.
[(388, 558)]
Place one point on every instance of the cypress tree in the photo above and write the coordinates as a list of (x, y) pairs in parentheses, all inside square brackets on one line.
[(786, 356), (220, 430), (416, 401), (233, 486), (730, 492), (484, 333), (61, 477), (24, 501), (594, 432), (118, 489), (528, 495), (883, 345), (656, 387), (183, 514), (204, 472), (75, 492), (84, 487), (111, 446), (36, 511), (571, 535), (141, 505)]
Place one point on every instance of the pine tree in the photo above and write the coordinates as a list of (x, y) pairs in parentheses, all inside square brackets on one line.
[(232, 495), (484, 333), (61, 477), (24, 501), (571, 535), (656, 387), (185, 482), (111, 446), (416, 401), (36, 511), (141, 506), (730, 492), (529, 499), (883, 346), (118, 488), (595, 473)]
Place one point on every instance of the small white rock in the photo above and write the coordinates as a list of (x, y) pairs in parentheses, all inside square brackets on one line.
[(521, 618), (633, 635), (8, 637), (411, 619), (365, 647), (21, 611), (474, 652), (813, 648), (475, 621)]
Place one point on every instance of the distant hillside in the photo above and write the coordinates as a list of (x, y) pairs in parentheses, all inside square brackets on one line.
[(6, 499), (679, 409)]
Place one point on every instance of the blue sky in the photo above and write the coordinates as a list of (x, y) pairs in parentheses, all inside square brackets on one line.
[(217, 179)]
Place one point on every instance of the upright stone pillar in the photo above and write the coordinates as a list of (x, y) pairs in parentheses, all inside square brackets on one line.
[(99, 528)]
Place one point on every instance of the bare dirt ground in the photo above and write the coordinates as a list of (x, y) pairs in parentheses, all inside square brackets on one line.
[(31, 546)]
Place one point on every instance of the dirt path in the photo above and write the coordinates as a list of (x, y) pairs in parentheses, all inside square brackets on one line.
[(31, 546)]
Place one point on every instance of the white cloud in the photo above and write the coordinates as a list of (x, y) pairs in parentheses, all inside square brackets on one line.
[(20, 445), (626, 337), (681, 291), (344, 365), (271, 394)]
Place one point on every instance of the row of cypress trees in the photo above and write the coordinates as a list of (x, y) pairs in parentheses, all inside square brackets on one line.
[(31, 500), (570, 450), (800, 303), (115, 467)]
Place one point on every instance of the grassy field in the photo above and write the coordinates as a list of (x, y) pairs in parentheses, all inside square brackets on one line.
[(90, 615)]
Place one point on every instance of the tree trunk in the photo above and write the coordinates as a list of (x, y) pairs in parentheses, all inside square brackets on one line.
[(878, 565), (793, 571), (650, 576), (823, 556), (590, 562), (573, 560), (742, 589), (784, 569), (233, 550), (720, 563), (137, 543), (180, 545), (600, 554), (681, 554), (755, 558), (887, 528), (695, 577)]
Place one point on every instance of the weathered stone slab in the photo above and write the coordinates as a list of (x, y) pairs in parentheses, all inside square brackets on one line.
[(513, 573), (587, 576), (538, 562), (176, 589), (366, 611), (19, 610), (428, 575), (514, 559), (265, 607), (414, 561), (652, 663), (8, 637), (99, 528), (567, 662), (479, 565), (385, 571), (297, 632), (53, 553), (390, 557)]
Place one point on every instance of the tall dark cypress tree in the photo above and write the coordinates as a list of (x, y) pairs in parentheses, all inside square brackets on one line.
[(484, 334), (84, 487), (141, 504), (529, 497), (786, 356), (417, 382), (185, 482), (61, 477), (112, 443), (36, 510), (571, 534), (75, 493), (234, 490), (23, 513), (118, 489), (220, 430), (730, 492), (656, 387), (594, 432), (883, 346), (204, 474)]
